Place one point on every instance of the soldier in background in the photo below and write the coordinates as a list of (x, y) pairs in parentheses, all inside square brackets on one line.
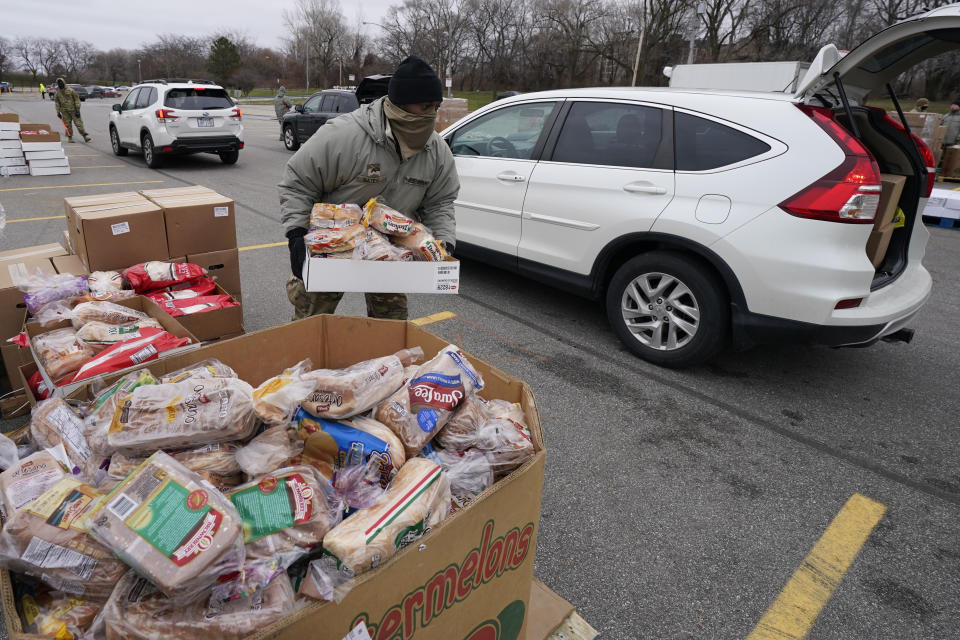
[(281, 104), (67, 103), (952, 122), (922, 105)]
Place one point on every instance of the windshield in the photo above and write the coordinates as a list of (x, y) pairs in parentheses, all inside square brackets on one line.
[(191, 98)]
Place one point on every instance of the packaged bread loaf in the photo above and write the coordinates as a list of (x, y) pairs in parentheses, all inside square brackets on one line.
[(104, 284), (341, 393), (374, 246), (276, 400), (460, 432), (150, 276), (48, 539), (100, 335), (335, 240), (183, 415), (423, 245), (138, 611), (57, 615), (285, 514), (384, 219), (424, 404), (172, 527), (469, 472), (107, 313), (143, 346), (28, 479), (209, 368), (417, 500), (216, 463), (55, 422), (329, 216), (269, 450), (99, 413), (60, 353)]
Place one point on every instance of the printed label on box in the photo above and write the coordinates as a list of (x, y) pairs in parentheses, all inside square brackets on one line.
[(447, 278), (120, 227), (221, 212)]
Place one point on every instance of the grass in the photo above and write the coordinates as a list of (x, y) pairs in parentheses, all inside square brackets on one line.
[(908, 103)]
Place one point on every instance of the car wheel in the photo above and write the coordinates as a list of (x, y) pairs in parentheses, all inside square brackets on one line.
[(668, 309), (150, 155), (230, 157), (290, 138), (118, 149)]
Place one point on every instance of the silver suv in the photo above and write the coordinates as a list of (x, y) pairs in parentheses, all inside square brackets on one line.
[(176, 117)]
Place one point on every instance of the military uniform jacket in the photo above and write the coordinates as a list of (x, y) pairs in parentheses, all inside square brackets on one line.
[(66, 100)]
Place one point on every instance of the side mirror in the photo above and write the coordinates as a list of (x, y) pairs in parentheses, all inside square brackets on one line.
[(298, 108), (118, 107)]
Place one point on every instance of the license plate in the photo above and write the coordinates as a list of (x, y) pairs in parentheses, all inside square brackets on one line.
[(204, 122)]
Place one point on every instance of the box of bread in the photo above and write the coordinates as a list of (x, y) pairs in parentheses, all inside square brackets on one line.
[(329, 478)]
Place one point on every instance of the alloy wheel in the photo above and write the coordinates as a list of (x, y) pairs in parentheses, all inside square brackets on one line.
[(660, 311)]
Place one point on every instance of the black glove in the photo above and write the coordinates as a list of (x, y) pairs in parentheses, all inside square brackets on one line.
[(449, 247), (59, 117), (298, 250)]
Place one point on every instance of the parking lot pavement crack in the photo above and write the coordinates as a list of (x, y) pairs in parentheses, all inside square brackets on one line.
[(759, 421)]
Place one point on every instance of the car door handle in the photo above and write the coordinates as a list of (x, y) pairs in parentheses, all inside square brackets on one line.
[(510, 176), (645, 188)]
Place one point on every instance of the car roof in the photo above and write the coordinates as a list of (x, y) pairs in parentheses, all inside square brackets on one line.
[(641, 93)]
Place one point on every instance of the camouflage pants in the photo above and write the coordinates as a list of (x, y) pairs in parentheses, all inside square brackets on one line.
[(69, 119), (392, 306)]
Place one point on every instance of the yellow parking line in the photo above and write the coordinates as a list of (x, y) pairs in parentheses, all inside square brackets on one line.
[(792, 614), (100, 166), (83, 155), (434, 317), (71, 186), (262, 246), (34, 219)]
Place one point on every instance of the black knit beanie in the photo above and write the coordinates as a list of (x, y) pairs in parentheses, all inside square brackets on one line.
[(413, 82)]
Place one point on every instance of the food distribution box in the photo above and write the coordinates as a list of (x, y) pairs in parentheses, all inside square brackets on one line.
[(49, 162), (9, 122), (18, 170), (30, 136), (71, 204), (198, 222), (10, 144), (13, 162), (70, 264), (116, 236), (462, 579), (49, 171), (44, 155), (9, 135), (168, 192), (216, 324), (379, 276), (11, 153), (222, 265), (943, 203)]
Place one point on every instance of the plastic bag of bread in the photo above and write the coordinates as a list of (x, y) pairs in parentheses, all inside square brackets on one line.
[(57, 615), (189, 289), (374, 246), (144, 345), (200, 304), (216, 463), (469, 472), (138, 611), (41, 289), (341, 393), (53, 312), (379, 216), (417, 500), (424, 403), (60, 352), (172, 527), (107, 313), (460, 432), (150, 276), (331, 446), (209, 368), (100, 335), (48, 539), (104, 284), (28, 479), (329, 216), (506, 443), (99, 413), (269, 450), (334, 240), (276, 400), (54, 422), (424, 246), (183, 415)]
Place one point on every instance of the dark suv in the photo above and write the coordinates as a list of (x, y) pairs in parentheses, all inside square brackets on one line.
[(306, 118)]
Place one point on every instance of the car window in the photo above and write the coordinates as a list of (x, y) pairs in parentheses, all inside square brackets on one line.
[(147, 97), (197, 98), (510, 132), (131, 99), (328, 103), (312, 105), (703, 144), (615, 134), (345, 104)]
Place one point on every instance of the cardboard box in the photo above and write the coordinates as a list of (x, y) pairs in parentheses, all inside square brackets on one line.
[(175, 192), (950, 167), (11, 153), (9, 121), (66, 240), (40, 146), (70, 264), (451, 110), (72, 203), (12, 307), (13, 162), (19, 170), (485, 551), (10, 144), (28, 136), (36, 126), (49, 171), (51, 250), (326, 274), (891, 189), (13, 358), (198, 222), (877, 244), (44, 155), (9, 135), (116, 236), (943, 203), (139, 303), (224, 266), (51, 162), (213, 325)]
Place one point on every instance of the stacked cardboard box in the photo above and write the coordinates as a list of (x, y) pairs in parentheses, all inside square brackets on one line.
[(43, 150), (11, 152), (927, 127), (451, 110), (883, 226)]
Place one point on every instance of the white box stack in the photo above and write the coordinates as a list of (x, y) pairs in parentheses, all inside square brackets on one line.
[(43, 151), (11, 153)]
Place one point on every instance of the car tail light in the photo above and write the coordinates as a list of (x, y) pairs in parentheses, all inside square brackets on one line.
[(237, 114), (166, 115), (922, 147), (850, 192), (166, 149), (240, 145)]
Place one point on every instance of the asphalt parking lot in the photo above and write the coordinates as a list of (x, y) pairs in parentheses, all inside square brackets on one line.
[(676, 504)]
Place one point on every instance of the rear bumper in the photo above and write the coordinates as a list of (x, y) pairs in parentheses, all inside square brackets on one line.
[(211, 144)]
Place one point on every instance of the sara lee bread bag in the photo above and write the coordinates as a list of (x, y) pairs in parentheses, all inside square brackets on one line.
[(172, 527), (183, 415), (424, 404), (138, 611), (417, 500), (48, 539)]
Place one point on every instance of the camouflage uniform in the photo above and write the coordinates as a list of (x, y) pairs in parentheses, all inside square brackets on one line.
[(392, 306), (280, 106), (67, 103)]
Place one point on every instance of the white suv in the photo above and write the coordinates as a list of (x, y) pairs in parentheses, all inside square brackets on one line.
[(701, 216), (176, 117)]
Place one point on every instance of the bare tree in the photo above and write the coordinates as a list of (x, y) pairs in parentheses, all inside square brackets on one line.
[(75, 56), (6, 55), (317, 30)]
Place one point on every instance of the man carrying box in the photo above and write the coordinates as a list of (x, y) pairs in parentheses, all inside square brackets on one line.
[(387, 149)]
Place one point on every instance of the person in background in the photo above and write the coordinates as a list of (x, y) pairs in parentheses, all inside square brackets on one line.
[(43, 92), (387, 149), (67, 103), (952, 122), (922, 105), (281, 104)]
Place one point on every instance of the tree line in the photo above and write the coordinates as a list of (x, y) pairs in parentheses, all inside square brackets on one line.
[(497, 44)]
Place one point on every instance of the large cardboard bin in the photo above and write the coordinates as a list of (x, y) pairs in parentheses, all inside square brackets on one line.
[(464, 579)]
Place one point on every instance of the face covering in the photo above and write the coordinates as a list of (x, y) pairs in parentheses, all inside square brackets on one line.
[(412, 131)]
